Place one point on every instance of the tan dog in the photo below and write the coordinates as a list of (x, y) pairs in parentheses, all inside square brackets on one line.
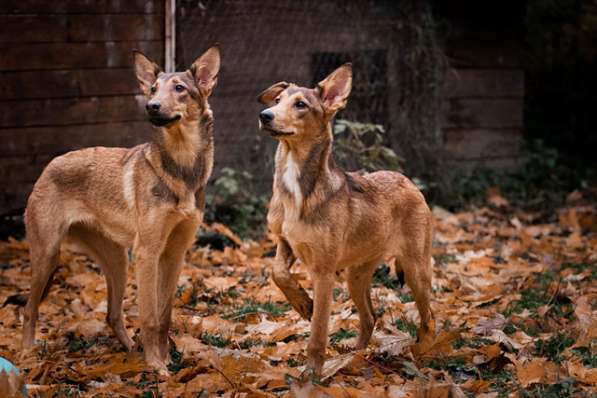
[(332, 220), (150, 197)]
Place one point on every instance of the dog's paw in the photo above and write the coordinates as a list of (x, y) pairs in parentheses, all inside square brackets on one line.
[(160, 367)]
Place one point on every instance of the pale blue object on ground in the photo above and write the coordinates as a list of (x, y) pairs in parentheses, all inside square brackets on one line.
[(8, 367)]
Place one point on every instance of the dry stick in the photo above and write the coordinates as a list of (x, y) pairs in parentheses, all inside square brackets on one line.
[(240, 316), (229, 381), (376, 364), (553, 296)]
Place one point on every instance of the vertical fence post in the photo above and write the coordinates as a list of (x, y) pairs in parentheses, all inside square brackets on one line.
[(170, 36)]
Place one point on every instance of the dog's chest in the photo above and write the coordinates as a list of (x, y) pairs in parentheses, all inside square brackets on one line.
[(291, 180)]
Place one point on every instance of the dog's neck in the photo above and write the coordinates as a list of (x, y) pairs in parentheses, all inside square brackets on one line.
[(185, 151), (184, 141), (306, 166)]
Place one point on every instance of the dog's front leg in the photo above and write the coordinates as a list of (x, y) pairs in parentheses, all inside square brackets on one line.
[(171, 263), (323, 284), (147, 287), (294, 292)]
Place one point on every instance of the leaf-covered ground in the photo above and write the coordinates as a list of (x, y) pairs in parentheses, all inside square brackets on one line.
[(515, 301)]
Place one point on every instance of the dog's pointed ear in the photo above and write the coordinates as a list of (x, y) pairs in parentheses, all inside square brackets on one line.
[(146, 70), (268, 96), (335, 89), (205, 70)]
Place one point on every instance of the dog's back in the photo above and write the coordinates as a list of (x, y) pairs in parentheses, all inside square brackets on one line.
[(86, 186)]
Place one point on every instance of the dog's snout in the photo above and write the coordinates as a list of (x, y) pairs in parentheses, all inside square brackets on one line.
[(266, 116), (153, 106)]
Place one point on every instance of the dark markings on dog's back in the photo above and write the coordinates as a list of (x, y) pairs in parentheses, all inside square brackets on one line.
[(200, 199), (189, 175), (161, 191), (353, 184)]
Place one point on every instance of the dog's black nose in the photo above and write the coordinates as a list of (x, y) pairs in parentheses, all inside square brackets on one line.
[(266, 116), (153, 106)]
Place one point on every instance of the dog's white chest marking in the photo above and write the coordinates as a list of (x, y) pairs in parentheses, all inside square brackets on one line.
[(291, 179), (128, 185)]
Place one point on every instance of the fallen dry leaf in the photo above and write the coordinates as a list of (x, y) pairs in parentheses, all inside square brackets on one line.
[(504, 280)]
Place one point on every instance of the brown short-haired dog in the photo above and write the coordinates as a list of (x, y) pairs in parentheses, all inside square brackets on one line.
[(150, 197), (332, 220)]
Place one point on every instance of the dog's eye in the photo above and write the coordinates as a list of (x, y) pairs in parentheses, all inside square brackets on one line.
[(277, 100), (179, 88), (300, 105), (153, 89)]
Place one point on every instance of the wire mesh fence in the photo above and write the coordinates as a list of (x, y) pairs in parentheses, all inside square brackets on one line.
[(397, 62)]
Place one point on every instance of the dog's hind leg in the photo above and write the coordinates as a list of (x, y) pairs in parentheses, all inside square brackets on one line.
[(415, 260), (44, 243), (294, 292), (359, 286), (112, 259)]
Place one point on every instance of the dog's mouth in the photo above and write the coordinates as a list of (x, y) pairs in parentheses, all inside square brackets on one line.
[(276, 133), (161, 120)]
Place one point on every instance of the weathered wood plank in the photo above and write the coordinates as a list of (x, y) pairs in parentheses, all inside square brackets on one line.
[(76, 55), (18, 142), (484, 83), (32, 28), (482, 143), (80, 28), (56, 112), (483, 113), (14, 197), (67, 83), (116, 27), (23, 168), (81, 6)]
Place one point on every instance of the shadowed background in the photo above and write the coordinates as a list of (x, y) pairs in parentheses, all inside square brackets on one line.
[(457, 87)]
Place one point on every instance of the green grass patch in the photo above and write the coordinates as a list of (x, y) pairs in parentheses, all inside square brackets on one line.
[(406, 298), (473, 342), (579, 268), (458, 368), (293, 363), (501, 382), (588, 358), (233, 293), (248, 343), (342, 334), (509, 328), (215, 340), (442, 259), (560, 389), (253, 307), (176, 363), (382, 277), (533, 297), (553, 347), (337, 292), (78, 343), (406, 326)]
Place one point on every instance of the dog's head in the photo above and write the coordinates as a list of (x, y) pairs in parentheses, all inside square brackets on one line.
[(296, 113), (172, 97)]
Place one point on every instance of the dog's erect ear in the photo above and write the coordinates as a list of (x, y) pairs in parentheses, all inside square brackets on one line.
[(205, 70), (146, 70), (268, 96), (335, 89)]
